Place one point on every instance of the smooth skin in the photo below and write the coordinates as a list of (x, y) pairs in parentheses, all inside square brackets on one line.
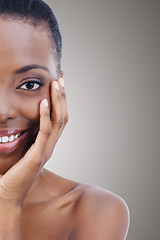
[(34, 202)]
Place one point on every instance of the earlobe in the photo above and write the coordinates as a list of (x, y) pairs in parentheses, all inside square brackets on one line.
[(60, 75), (60, 78)]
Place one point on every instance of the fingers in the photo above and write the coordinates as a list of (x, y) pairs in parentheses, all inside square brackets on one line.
[(64, 105), (45, 128), (50, 129), (23, 173), (59, 115), (34, 157), (63, 101)]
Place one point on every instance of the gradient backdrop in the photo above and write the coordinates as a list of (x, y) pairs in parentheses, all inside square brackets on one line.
[(111, 61)]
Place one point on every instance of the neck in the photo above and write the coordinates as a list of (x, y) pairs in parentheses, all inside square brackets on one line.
[(35, 189)]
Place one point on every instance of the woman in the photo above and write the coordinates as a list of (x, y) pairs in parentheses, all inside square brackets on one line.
[(34, 202)]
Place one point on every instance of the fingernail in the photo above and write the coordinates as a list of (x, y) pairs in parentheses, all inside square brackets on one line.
[(56, 85), (45, 102), (61, 81)]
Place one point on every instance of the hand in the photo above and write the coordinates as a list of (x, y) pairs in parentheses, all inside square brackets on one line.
[(15, 183)]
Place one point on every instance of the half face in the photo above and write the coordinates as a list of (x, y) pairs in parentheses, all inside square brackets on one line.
[(27, 68)]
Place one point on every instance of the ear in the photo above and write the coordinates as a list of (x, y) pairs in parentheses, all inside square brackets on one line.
[(60, 74)]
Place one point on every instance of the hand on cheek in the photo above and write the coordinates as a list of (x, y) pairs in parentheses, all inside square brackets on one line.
[(17, 181)]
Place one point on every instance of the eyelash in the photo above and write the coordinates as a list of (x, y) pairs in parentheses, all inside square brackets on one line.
[(32, 81)]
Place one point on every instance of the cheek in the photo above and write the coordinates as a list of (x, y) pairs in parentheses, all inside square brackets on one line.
[(29, 108), (30, 115)]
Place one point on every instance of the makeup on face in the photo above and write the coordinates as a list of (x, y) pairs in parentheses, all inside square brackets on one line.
[(27, 68)]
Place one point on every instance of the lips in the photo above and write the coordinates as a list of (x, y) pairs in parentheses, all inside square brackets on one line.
[(11, 139), (10, 132)]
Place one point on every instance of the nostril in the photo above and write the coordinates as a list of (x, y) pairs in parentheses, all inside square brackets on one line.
[(5, 117)]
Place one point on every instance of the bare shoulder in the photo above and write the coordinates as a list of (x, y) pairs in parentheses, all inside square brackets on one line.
[(92, 212), (99, 214)]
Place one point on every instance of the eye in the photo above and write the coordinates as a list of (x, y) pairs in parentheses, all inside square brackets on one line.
[(31, 85)]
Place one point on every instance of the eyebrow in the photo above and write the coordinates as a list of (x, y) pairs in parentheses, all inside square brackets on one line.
[(30, 67)]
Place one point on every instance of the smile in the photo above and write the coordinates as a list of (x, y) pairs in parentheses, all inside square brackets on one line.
[(5, 139), (9, 142)]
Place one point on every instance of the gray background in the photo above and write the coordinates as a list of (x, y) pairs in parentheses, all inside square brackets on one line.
[(111, 64)]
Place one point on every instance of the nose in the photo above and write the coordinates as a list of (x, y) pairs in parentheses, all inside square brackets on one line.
[(7, 107)]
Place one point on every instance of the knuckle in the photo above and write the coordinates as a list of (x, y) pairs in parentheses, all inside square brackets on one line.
[(58, 97), (66, 118), (48, 130), (59, 122), (63, 94)]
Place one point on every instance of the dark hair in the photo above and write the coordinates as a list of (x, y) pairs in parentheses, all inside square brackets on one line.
[(35, 12)]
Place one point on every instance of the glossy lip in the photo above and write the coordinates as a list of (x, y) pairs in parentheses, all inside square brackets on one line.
[(11, 146), (10, 132)]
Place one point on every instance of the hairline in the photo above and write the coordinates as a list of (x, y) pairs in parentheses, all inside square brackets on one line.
[(39, 25)]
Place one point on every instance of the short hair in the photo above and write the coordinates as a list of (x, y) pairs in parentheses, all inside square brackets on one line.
[(34, 12)]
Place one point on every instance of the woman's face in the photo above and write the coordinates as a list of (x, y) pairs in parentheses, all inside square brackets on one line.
[(27, 68)]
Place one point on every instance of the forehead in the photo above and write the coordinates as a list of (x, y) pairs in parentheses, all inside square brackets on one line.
[(23, 44)]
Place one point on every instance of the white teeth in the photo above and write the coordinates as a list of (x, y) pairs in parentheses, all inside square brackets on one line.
[(11, 138), (5, 139), (16, 136)]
